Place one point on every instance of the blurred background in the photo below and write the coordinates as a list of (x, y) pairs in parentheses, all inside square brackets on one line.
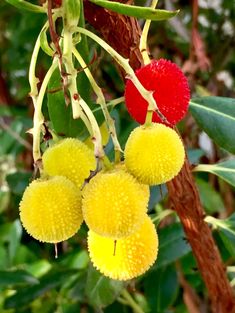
[(201, 40)]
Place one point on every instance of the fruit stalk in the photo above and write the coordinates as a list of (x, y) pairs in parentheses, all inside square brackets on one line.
[(143, 39), (188, 208), (101, 101)]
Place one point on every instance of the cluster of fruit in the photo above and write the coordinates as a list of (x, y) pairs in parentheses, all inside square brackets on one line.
[(122, 240)]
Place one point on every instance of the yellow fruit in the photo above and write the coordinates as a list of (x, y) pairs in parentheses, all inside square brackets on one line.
[(154, 154), (129, 257), (70, 158), (114, 204), (50, 210)]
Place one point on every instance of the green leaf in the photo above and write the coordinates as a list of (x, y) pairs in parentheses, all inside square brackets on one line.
[(39, 268), (100, 290), (211, 199), (10, 234), (225, 170), (76, 260), (26, 295), (161, 287), (226, 230), (26, 6), (172, 245), (11, 278), (216, 116), (194, 155), (18, 181), (136, 11), (60, 114)]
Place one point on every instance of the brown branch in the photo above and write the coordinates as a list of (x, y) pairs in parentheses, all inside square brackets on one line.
[(123, 34), (185, 201)]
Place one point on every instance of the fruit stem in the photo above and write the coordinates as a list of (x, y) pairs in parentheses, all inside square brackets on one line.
[(159, 217), (111, 104), (124, 63), (38, 118), (128, 298), (38, 98), (96, 134), (71, 72), (143, 39), (79, 106), (101, 101), (148, 119)]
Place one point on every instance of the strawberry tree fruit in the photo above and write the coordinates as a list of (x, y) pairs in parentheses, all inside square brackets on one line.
[(114, 203), (50, 209), (170, 91), (154, 154), (71, 158), (125, 258)]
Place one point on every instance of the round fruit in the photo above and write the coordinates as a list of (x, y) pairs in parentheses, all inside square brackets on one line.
[(114, 204), (70, 158), (50, 210), (154, 154), (127, 257), (170, 91)]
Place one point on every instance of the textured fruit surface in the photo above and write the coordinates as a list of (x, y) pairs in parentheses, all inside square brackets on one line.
[(154, 154), (131, 257), (70, 158), (50, 210), (114, 203), (171, 92)]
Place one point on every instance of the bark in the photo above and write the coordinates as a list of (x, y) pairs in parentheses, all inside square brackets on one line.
[(123, 33), (185, 201)]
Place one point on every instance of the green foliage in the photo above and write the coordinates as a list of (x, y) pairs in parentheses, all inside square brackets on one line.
[(216, 116), (135, 11), (224, 170), (100, 290)]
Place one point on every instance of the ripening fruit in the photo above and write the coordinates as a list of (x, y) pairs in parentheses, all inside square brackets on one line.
[(170, 87), (154, 154), (127, 258), (114, 203), (70, 158), (50, 210)]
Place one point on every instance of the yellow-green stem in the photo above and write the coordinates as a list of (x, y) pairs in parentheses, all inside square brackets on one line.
[(143, 39), (71, 72), (136, 308), (38, 117), (97, 138), (101, 101)]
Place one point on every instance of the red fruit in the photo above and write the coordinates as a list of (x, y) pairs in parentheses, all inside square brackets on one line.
[(171, 92)]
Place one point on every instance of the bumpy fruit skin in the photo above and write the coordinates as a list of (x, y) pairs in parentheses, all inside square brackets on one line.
[(133, 255), (50, 210), (70, 158), (154, 154), (171, 92), (114, 204)]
